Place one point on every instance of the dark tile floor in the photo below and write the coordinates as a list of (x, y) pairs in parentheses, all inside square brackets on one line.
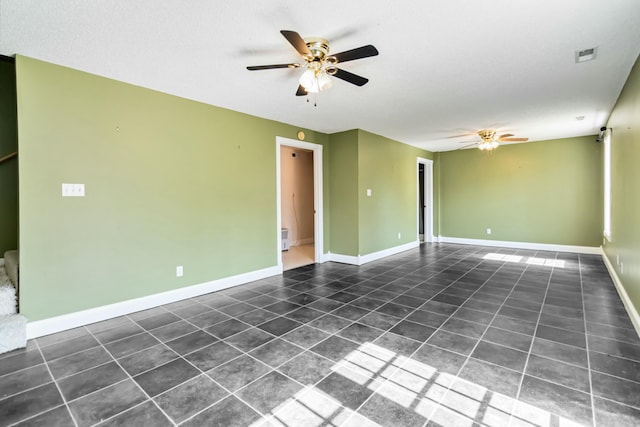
[(443, 335)]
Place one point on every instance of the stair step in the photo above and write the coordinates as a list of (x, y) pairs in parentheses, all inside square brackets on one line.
[(13, 332)]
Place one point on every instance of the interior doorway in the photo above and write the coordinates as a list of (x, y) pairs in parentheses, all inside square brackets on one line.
[(425, 200), (299, 202)]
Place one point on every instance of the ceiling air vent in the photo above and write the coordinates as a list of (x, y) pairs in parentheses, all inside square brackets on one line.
[(586, 55)]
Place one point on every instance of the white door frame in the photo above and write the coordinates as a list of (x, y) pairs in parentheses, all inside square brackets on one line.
[(428, 199), (318, 216)]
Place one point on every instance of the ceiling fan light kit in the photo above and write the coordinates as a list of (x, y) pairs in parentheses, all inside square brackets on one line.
[(319, 65), (488, 145), (316, 78), (489, 141)]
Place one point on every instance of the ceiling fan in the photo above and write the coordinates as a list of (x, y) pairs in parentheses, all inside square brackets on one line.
[(490, 142), (318, 64)]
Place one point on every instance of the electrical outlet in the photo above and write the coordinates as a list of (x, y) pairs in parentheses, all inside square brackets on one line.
[(399, 235), (179, 271), (488, 231)]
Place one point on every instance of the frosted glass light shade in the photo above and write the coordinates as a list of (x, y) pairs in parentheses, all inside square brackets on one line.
[(314, 81)]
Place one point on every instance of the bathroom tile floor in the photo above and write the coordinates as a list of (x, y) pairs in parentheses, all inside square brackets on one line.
[(442, 335)]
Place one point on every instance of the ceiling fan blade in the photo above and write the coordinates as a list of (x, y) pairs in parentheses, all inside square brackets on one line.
[(506, 135), (297, 42), (460, 136), (269, 67), (513, 139), (350, 77), (301, 91), (357, 53)]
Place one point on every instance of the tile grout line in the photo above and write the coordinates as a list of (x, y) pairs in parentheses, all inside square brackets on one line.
[(272, 369), (398, 368), (235, 393), (230, 393), (408, 266), (586, 341), (468, 357), (526, 364), (129, 377), (102, 345), (242, 353), (352, 321), (64, 399)]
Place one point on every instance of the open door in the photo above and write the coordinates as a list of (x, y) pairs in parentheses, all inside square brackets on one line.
[(299, 203), (425, 200)]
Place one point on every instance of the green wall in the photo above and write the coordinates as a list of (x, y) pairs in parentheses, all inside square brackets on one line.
[(541, 192), (175, 182), (172, 182), (8, 168), (625, 186), (362, 225), (390, 170), (343, 193), (168, 182)]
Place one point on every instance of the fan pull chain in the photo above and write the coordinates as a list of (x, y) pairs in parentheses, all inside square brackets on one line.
[(315, 100)]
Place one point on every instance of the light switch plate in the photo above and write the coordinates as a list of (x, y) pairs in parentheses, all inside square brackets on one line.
[(72, 190), (368, 192)]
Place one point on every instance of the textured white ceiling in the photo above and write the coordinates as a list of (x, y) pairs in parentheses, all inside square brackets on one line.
[(446, 67)]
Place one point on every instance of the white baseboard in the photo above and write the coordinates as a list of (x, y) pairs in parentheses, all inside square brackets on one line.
[(98, 314), (388, 252), (307, 241), (522, 245), (363, 259), (344, 259), (626, 301)]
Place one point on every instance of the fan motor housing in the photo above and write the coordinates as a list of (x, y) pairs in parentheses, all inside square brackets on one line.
[(318, 46), (487, 135)]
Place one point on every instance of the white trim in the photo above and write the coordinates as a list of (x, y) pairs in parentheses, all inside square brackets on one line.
[(607, 185), (323, 258), (318, 218), (388, 252), (307, 241), (626, 301), (97, 314), (522, 245), (428, 199), (344, 259), (1, 262), (363, 259)]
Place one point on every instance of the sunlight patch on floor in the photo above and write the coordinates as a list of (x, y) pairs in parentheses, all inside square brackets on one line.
[(437, 396), (546, 262)]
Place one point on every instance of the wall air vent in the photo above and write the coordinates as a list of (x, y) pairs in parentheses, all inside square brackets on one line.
[(586, 55)]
